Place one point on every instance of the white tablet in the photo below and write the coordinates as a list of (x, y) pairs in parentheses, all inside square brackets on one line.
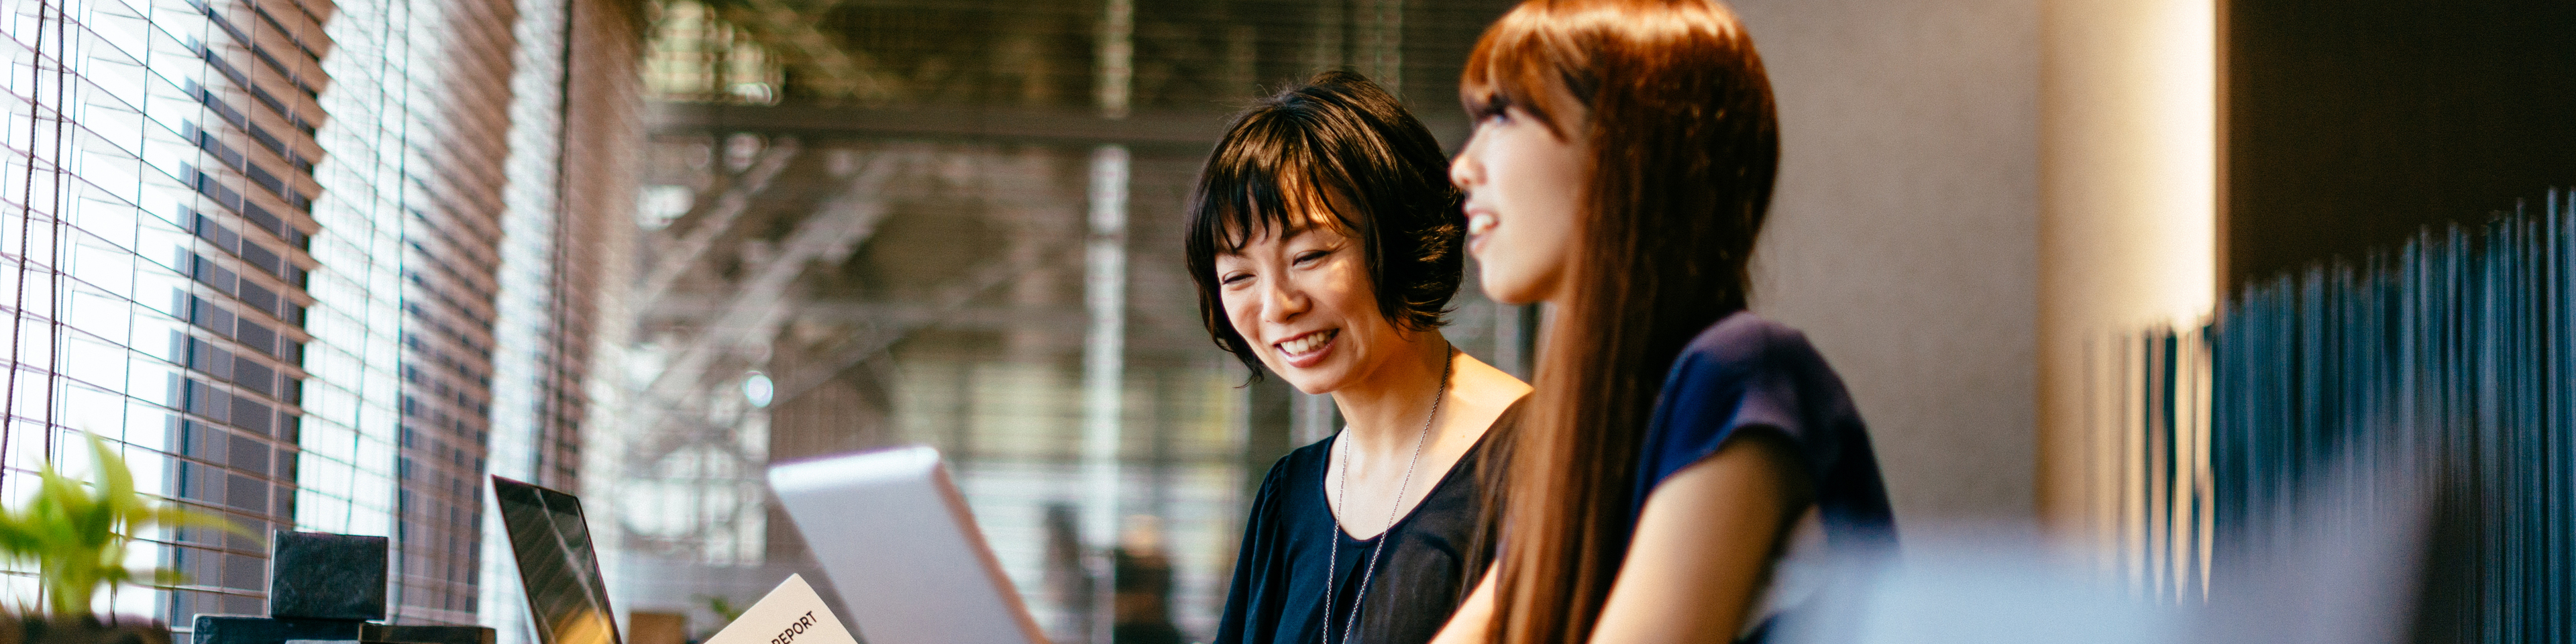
[(895, 538)]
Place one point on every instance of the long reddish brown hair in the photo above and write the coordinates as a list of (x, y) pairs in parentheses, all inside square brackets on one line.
[(1684, 145)]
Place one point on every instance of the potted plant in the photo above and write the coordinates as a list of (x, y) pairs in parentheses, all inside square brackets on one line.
[(77, 533)]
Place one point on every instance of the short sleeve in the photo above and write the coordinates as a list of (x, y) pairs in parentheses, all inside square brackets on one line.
[(1740, 373), (1746, 373)]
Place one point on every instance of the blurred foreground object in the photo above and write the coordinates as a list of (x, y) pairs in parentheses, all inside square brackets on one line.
[(2361, 557), (790, 613), (1980, 588), (78, 533), (327, 587), (896, 540)]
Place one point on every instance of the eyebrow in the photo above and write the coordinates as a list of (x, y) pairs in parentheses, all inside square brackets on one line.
[(1286, 233)]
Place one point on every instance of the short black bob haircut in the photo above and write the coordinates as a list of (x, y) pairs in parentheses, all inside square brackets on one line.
[(1341, 142)]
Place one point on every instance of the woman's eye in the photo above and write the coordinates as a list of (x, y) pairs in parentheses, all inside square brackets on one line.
[(1233, 279), (1311, 256)]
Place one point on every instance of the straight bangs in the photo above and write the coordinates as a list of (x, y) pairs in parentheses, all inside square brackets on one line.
[(1528, 59), (1245, 190)]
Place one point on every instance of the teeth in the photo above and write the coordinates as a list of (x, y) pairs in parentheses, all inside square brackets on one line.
[(1307, 343), (1480, 224)]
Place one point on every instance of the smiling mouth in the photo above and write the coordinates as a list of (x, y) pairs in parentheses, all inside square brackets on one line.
[(1308, 343), (1479, 226), (1480, 223)]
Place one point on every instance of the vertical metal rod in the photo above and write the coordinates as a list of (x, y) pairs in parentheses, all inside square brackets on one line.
[(1103, 365), (1105, 297), (1117, 58)]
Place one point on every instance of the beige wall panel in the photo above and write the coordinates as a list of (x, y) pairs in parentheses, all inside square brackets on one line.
[(2129, 135), (1904, 239)]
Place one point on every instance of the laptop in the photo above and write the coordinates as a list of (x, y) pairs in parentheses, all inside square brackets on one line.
[(894, 537), (568, 602)]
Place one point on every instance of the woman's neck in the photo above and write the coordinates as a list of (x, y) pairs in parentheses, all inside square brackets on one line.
[(1387, 411)]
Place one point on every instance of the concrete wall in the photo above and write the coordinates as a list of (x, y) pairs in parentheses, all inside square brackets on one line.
[(1905, 236)]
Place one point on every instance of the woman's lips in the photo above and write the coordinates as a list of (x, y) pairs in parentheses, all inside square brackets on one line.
[(1307, 349), (1477, 225)]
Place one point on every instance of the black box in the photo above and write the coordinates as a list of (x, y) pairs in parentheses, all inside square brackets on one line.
[(314, 575), (324, 588), (244, 629)]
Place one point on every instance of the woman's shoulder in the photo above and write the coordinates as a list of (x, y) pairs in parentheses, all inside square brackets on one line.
[(1749, 371), (1304, 462), (1278, 499), (1745, 360), (1743, 355), (1744, 341)]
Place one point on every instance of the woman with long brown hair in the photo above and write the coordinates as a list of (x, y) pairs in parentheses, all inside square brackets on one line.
[(1681, 455)]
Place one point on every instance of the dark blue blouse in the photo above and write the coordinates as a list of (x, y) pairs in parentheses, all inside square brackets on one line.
[(1287, 563), (1745, 373)]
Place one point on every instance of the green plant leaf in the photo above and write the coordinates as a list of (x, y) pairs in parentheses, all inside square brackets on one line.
[(64, 509), (18, 541), (181, 517), (77, 533), (166, 577), (118, 492)]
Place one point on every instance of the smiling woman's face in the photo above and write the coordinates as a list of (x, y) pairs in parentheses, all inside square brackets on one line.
[(1302, 299), (1524, 186)]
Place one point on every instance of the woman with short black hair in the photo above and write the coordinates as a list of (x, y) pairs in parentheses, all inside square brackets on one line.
[(1324, 240)]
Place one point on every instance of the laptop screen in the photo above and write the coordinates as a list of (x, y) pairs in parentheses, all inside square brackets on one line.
[(557, 564)]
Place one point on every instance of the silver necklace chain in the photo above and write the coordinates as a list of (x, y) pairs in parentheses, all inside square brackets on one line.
[(1333, 558)]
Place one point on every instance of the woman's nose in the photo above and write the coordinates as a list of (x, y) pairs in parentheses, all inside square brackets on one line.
[(1463, 170), (1281, 301)]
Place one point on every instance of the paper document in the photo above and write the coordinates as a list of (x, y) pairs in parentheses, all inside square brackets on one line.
[(791, 614)]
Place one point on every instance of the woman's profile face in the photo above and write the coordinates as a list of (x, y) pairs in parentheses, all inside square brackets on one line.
[(1302, 299), (1525, 189)]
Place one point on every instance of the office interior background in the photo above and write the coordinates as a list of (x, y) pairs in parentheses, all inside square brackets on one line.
[(326, 265)]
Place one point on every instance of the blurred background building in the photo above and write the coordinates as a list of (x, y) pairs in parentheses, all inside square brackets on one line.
[(327, 264)]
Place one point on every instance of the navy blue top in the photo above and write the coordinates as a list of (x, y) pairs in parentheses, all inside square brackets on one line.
[(1745, 373), (1283, 572)]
